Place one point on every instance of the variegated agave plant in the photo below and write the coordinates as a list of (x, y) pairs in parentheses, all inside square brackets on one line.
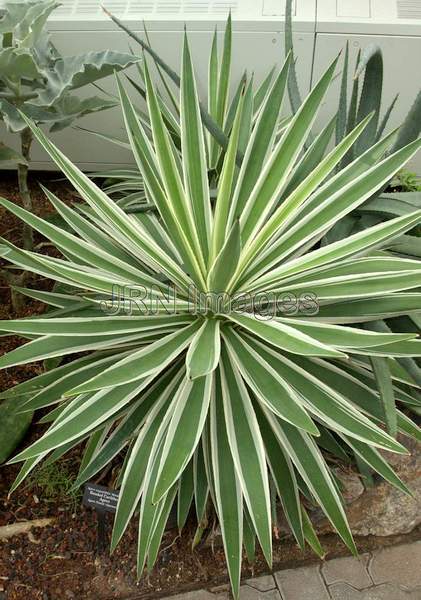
[(218, 404)]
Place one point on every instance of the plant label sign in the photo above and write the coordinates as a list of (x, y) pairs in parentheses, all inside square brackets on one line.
[(100, 498)]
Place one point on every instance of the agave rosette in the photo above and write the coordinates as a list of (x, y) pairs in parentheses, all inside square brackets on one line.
[(215, 403)]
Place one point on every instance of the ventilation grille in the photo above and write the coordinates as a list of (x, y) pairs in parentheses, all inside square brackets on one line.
[(409, 9), (147, 8)]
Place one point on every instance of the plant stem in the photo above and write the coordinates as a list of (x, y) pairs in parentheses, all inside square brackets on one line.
[(26, 141), (17, 300)]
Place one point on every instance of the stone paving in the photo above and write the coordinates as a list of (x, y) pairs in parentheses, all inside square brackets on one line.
[(392, 573)]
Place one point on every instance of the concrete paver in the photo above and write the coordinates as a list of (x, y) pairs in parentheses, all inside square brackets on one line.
[(249, 593), (397, 564), (304, 583), (386, 591), (348, 570), (392, 573), (263, 584)]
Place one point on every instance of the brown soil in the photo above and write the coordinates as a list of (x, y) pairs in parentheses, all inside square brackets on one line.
[(61, 562)]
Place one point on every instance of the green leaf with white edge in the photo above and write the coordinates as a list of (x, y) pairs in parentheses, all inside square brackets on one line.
[(385, 386), (151, 359), (185, 495), (345, 337), (226, 186), (203, 354), (94, 410), (222, 89), (268, 386), (310, 463), (340, 181), (194, 153), (326, 403), (284, 478), (343, 201), (260, 144), (274, 175), (115, 442), (28, 466), (39, 382), (249, 538), (411, 348), (223, 266), (81, 250), (311, 159), (228, 495), (53, 393), (57, 300), (147, 162), (126, 428), (327, 441), (172, 181), (354, 286), (369, 309), (248, 451), (262, 90), (189, 411), (149, 512), (201, 485), (136, 467), (110, 212), (107, 326), (50, 346), (310, 535), (159, 528), (341, 121), (93, 444), (283, 337), (360, 390), (213, 86), (370, 265), (153, 226), (300, 194), (246, 125), (357, 244), (87, 231), (374, 459)]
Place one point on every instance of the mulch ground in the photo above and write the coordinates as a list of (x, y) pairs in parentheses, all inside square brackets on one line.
[(61, 561)]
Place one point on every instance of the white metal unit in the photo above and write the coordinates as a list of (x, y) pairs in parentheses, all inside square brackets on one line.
[(395, 25), (258, 25)]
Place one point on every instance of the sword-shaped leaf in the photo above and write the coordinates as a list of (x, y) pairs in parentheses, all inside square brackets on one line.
[(247, 450), (269, 387), (203, 354), (189, 411), (194, 154), (228, 495), (150, 359)]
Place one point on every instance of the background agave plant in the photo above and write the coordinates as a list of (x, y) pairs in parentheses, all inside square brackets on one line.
[(367, 97), (215, 402)]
